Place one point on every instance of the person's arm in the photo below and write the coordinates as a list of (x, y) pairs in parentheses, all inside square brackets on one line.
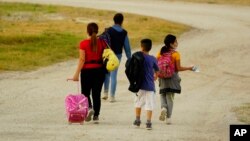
[(127, 47), (156, 75), (158, 55), (177, 57), (181, 68), (80, 65), (156, 70)]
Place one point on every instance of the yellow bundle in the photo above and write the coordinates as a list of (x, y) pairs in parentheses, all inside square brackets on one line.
[(110, 59)]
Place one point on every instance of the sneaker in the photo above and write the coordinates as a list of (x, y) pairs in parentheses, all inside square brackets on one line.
[(96, 119), (163, 114), (149, 126), (112, 99), (90, 114), (169, 121), (137, 123), (105, 97)]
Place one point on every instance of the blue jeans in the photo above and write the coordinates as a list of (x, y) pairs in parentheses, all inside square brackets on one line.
[(113, 76)]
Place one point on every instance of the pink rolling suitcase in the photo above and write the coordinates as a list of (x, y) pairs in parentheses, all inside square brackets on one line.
[(76, 108)]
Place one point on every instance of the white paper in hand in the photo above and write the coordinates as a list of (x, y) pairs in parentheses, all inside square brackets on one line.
[(195, 69)]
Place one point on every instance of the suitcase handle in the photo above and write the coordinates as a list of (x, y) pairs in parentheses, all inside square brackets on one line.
[(78, 87)]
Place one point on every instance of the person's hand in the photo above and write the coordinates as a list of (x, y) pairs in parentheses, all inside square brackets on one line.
[(75, 78), (195, 69), (155, 76), (191, 67)]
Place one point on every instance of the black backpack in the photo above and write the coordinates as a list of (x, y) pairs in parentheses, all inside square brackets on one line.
[(134, 70), (106, 36)]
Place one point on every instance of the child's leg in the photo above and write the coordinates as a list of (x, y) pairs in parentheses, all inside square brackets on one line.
[(137, 121), (149, 115), (149, 106), (163, 107), (139, 102), (138, 113), (149, 123), (163, 101), (170, 103)]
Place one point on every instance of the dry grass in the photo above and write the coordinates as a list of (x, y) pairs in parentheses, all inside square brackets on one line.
[(33, 35), (230, 2), (243, 113)]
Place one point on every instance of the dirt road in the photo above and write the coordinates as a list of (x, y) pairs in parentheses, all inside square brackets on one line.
[(32, 104)]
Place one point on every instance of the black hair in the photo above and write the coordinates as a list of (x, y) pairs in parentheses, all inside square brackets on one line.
[(118, 18), (146, 44), (169, 39)]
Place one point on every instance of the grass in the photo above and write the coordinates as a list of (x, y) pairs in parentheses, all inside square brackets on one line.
[(230, 2), (27, 52), (243, 113), (34, 35)]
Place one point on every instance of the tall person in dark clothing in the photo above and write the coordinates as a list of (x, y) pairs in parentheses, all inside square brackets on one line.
[(119, 41)]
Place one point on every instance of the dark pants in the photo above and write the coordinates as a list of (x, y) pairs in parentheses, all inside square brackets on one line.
[(91, 83)]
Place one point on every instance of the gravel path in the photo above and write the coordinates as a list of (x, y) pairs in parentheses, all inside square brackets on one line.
[(32, 103)]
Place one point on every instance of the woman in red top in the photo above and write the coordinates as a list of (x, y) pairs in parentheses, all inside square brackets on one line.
[(91, 70)]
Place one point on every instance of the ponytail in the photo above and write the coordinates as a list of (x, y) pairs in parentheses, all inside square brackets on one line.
[(92, 29), (94, 42), (164, 49)]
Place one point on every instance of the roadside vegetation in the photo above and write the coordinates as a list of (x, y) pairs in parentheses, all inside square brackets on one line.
[(243, 113), (230, 2), (34, 35)]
